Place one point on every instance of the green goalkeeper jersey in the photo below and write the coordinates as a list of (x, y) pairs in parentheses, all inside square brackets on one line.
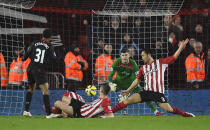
[(126, 74)]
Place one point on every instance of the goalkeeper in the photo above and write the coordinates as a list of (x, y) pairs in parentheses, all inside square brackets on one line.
[(126, 69)]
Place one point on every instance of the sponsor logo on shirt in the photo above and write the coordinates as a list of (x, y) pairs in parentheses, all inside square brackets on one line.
[(125, 73), (149, 72)]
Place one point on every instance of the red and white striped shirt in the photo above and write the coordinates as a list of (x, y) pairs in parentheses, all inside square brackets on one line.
[(74, 95), (154, 74), (97, 107)]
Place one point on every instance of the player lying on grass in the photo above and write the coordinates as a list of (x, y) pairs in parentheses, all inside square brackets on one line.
[(66, 94), (126, 69), (100, 107), (153, 72)]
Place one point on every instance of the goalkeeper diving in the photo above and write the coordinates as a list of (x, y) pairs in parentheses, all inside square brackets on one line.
[(126, 69)]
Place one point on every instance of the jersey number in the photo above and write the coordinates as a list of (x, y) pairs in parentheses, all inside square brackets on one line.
[(39, 55)]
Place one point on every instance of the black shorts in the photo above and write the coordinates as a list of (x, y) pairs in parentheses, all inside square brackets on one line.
[(76, 105), (36, 75), (153, 96)]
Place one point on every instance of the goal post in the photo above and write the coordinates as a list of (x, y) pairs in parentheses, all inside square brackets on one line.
[(25, 4), (141, 7), (12, 44), (137, 24)]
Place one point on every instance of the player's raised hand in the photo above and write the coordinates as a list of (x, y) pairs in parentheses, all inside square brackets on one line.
[(113, 86), (125, 92), (183, 43)]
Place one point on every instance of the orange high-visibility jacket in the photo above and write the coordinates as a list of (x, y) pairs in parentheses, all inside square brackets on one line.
[(73, 69), (195, 68), (24, 68), (3, 70), (16, 72), (103, 66)]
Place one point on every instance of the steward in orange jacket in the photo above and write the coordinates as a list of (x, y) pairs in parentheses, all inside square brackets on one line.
[(103, 64), (195, 66), (16, 72), (74, 65), (3, 70), (24, 68)]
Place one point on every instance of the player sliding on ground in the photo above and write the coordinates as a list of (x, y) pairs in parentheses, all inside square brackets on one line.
[(126, 69), (153, 72), (74, 95), (100, 107)]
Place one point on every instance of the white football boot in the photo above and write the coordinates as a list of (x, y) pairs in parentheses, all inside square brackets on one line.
[(26, 113), (52, 116)]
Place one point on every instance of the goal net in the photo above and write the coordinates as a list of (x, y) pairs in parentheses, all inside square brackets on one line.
[(74, 21), (12, 46), (136, 24)]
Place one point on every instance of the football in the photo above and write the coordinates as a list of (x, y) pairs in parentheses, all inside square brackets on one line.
[(91, 90)]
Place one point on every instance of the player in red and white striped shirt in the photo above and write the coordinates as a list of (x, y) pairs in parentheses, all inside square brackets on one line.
[(74, 95), (76, 108), (153, 72)]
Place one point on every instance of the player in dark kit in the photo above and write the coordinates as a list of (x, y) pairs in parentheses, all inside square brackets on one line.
[(41, 53), (153, 73)]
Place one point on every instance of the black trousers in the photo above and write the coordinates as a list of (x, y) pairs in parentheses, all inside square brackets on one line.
[(73, 85)]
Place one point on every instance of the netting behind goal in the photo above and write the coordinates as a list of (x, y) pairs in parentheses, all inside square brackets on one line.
[(135, 32), (11, 45), (141, 7), (137, 24), (72, 21)]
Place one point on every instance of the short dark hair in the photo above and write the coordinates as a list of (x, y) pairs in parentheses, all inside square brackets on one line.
[(105, 88), (148, 51), (47, 33), (125, 49)]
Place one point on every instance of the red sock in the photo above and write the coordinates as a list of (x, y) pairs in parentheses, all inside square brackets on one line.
[(55, 110), (178, 111), (118, 107)]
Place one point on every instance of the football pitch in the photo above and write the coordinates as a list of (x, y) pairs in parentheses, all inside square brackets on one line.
[(117, 123)]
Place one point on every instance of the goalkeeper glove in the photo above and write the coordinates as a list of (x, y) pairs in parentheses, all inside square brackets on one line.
[(113, 86), (122, 98)]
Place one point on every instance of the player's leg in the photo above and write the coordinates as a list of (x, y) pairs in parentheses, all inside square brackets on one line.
[(133, 99), (64, 99), (41, 81), (45, 92), (29, 94), (167, 107), (150, 104), (154, 108), (64, 107)]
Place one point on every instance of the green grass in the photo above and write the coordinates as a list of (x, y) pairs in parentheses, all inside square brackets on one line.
[(117, 123)]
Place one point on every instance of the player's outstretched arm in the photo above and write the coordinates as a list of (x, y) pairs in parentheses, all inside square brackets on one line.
[(182, 45), (111, 74), (133, 85)]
